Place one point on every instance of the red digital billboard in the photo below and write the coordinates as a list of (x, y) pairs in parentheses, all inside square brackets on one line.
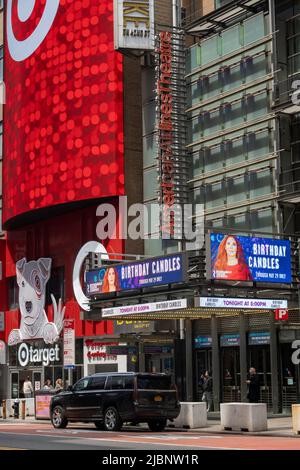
[(63, 119)]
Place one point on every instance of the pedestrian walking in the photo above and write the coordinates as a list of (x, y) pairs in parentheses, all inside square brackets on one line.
[(253, 386), (59, 385), (207, 390), (48, 385), (27, 388)]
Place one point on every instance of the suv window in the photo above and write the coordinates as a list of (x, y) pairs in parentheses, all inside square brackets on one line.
[(97, 383), (81, 385), (153, 383), (117, 383), (128, 383)]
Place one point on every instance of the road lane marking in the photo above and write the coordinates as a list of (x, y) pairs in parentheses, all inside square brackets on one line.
[(11, 448)]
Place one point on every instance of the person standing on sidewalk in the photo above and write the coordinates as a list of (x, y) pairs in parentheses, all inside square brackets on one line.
[(207, 390), (253, 386), (27, 388)]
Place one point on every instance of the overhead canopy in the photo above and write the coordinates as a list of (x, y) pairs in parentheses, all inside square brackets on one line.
[(188, 313), (220, 17)]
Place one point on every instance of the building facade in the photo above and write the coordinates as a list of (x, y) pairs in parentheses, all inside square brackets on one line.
[(241, 67), (72, 141), (85, 132)]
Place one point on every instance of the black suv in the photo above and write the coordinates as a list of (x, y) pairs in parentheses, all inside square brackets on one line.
[(111, 399)]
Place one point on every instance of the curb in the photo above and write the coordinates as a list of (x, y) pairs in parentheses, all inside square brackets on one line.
[(171, 428)]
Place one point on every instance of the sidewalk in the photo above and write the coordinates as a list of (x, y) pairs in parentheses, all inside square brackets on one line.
[(277, 426)]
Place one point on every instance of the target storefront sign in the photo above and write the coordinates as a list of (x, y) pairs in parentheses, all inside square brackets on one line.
[(29, 354)]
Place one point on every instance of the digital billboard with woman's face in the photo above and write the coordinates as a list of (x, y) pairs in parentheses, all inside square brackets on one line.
[(151, 272), (237, 258)]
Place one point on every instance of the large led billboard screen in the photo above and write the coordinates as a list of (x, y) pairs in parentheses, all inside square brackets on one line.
[(147, 273), (63, 119), (237, 258)]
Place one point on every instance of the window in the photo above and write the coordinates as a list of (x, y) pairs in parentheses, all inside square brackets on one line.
[(254, 28), (236, 189), (261, 183), (150, 183), (128, 383), (153, 383), (255, 67), (235, 151), (257, 105), (233, 114), (150, 149), (259, 144), (117, 383), (81, 385), (214, 158), (193, 58), (210, 50), (262, 220), (231, 40), (97, 383), (149, 118), (214, 194), (212, 122), (13, 293)]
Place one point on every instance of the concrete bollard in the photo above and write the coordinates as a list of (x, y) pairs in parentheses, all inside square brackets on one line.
[(23, 409), (296, 419), (192, 415), (244, 416)]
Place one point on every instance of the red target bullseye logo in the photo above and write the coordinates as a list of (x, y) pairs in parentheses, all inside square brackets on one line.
[(21, 11)]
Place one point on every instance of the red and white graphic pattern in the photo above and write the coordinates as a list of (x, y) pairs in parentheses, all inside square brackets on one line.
[(63, 139)]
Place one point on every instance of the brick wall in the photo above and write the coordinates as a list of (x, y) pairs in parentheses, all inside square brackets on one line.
[(163, 12)]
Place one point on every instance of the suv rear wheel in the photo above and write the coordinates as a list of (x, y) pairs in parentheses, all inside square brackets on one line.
[(58, 418), (157, 426), (112, 420)]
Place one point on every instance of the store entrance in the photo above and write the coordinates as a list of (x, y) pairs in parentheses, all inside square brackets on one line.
[(289, 378), (203, 363), (159, 363), (230, 374), (259, 357), (18, 377)]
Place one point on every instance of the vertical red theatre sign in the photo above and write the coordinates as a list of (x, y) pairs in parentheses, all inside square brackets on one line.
[(63, 119), (171, 129)]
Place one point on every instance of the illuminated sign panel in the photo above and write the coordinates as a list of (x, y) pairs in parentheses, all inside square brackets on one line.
[(171, 138), (147, 273), (236, 258), (134, 24), (64, 115)]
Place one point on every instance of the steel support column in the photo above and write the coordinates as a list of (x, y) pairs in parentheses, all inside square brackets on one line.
[(188, 360), (215, 363), (243, 357), (274, 364)]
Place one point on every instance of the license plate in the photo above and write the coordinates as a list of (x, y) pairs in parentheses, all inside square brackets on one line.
[(158, 398)]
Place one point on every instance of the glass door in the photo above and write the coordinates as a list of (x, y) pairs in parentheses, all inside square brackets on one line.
[(14, 384), (37, 380), (230, 374), (203, 363)]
